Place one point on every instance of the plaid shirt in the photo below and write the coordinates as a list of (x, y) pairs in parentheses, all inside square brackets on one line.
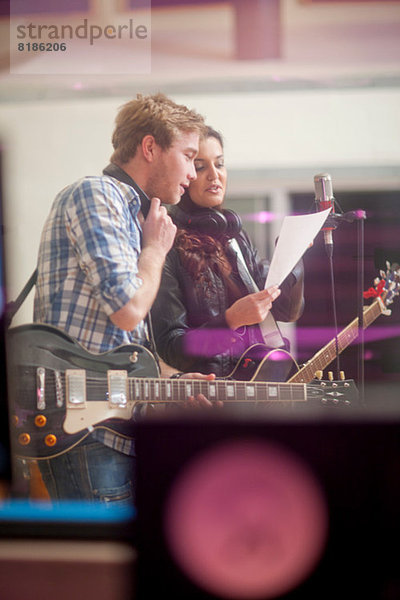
[(87, 268)]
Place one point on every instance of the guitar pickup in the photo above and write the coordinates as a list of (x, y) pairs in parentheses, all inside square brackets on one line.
[(76, 388), (117, 389), (40, 381)]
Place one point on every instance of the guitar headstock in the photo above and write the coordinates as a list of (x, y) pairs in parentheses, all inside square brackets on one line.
[(387, 285), (333, 393)]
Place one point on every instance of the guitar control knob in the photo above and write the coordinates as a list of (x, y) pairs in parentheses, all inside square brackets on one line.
[(40, 421), (50, 440), (24, 439), (134, 357)]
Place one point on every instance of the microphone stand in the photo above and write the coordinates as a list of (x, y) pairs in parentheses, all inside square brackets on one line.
[(333, 221), (360, 290), (329, 226)]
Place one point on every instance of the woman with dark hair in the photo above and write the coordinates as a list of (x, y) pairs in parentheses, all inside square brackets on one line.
[(207, 312)]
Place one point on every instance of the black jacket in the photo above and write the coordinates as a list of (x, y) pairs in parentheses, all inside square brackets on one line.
[(190, 329)]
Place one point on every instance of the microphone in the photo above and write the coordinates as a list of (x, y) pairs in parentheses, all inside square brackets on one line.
[(324, 199)]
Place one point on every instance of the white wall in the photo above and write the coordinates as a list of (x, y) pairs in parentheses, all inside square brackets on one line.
[(49, 144)]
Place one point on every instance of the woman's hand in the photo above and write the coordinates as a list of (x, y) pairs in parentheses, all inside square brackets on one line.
[(251, 309)]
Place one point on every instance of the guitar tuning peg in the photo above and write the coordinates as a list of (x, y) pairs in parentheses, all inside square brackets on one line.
[(319, 374), (330, 375), (341, 376)]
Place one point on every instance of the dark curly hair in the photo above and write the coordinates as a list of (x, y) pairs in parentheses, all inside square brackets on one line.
[(201, 253)]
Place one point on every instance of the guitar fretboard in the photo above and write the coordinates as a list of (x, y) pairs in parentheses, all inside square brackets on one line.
[(327, 354), (178, 390)]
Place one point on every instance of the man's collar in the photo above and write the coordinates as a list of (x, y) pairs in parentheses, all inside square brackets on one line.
[(115, 171)]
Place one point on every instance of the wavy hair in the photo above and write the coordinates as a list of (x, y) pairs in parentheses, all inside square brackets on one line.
[(201, 253)]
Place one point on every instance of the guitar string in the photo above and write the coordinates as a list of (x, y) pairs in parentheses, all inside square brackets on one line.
[(140, 388), (319, 362)]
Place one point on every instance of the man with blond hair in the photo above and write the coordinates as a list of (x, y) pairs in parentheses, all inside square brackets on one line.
[(100, 260)]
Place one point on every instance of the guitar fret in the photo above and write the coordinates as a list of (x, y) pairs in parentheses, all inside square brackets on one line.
[(236, 392), (230, 390), (212, 390), (176, 390), (250, 391), (221, 387), (272, 392), (374, 310)]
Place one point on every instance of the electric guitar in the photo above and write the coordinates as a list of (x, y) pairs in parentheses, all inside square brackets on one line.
[(261, 362), (60, 392)]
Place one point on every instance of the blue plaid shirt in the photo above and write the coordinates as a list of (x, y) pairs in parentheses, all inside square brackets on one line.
[(88, 268)]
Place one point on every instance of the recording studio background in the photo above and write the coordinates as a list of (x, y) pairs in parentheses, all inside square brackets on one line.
[(318, 91), (297, 87)]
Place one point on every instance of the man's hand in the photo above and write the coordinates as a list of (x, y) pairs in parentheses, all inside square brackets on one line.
[(200, 401), (158, 237), (251, 309), (158, 229)]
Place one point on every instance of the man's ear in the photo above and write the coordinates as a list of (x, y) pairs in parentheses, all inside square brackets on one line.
[(149, 147)]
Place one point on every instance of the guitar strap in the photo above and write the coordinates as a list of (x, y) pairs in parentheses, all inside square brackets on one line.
[(269, 329), (12, 307), (113, 170)]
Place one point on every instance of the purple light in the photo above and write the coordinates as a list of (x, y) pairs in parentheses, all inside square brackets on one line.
[(277, 356), (263, 216), (208, 342), (360, 214), (320, 336)]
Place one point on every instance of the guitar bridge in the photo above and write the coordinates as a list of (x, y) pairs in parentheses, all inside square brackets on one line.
[(76, 388), (117, 389)]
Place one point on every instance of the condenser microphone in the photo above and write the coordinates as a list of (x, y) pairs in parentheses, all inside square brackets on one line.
[(324, 199)]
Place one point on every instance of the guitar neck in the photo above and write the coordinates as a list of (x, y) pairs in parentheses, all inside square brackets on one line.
[(327, 354), (178, 390)]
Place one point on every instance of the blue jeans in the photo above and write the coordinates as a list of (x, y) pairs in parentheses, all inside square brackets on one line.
[(90, 471)]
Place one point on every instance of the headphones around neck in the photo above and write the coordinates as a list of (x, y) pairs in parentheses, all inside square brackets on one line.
[(209, 221)]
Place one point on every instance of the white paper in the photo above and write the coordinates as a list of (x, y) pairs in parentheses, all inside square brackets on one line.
[(297, 233)]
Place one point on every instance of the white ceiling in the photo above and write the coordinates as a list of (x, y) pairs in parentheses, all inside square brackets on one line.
[(192, 51)]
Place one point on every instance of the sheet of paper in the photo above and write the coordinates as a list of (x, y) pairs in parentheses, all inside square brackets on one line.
[(297, 233)]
